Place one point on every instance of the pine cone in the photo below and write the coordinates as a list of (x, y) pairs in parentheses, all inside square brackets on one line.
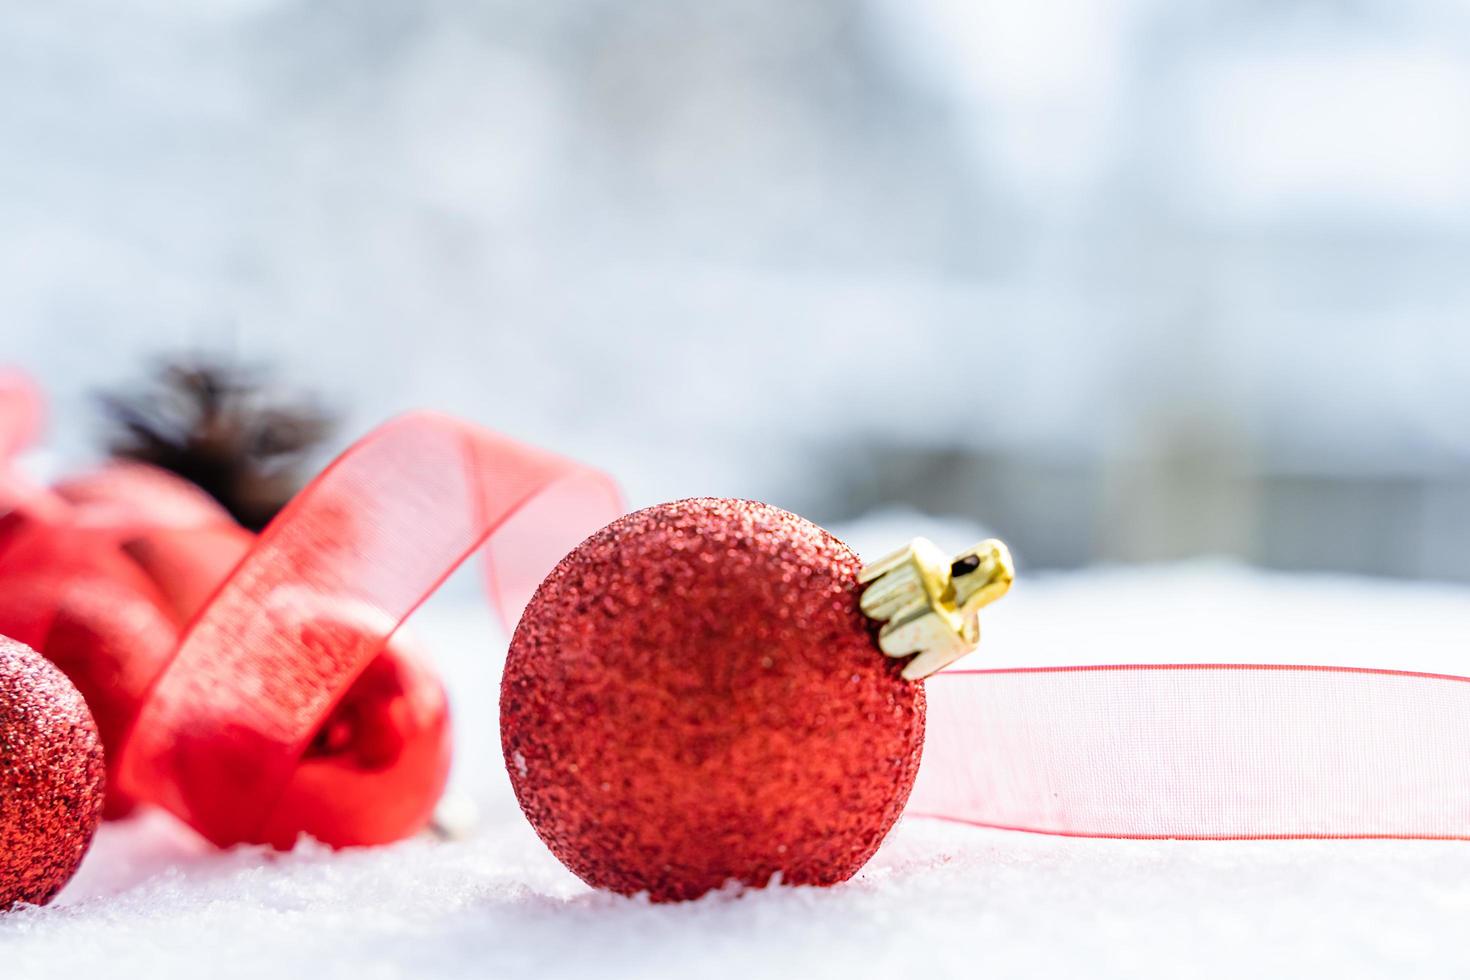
[(218, 426)]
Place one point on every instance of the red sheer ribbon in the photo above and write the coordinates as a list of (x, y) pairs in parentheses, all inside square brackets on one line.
[(322, 590), (1199, 751)]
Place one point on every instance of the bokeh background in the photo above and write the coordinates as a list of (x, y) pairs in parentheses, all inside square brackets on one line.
[(1125, 280)]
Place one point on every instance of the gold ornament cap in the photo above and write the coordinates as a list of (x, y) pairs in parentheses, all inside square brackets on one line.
[(930, 604)]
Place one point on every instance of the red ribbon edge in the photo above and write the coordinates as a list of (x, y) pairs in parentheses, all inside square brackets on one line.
[(1200, 752)]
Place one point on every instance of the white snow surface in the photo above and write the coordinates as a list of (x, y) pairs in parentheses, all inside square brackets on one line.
[(937, 900)]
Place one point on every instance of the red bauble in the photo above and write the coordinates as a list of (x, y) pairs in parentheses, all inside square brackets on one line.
[(50, 777), (693, 696), (377, 766), (94, 614), (107, 607)]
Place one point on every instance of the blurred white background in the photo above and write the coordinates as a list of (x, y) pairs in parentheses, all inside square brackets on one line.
[(1123, 279)]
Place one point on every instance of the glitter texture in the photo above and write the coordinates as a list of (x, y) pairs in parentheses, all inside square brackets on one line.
[(50, 777), (693, 696)]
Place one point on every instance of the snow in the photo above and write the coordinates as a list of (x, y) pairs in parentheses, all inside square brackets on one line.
[(937, 900)]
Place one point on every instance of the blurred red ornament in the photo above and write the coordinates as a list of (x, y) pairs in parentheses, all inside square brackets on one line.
[(693, 696), (104, 582), (50, 777)]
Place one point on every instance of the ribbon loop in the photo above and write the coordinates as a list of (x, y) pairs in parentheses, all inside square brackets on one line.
[(323, 589)]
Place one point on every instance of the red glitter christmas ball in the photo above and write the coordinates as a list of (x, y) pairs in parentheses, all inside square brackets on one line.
[(693, 696), (50, 777)]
